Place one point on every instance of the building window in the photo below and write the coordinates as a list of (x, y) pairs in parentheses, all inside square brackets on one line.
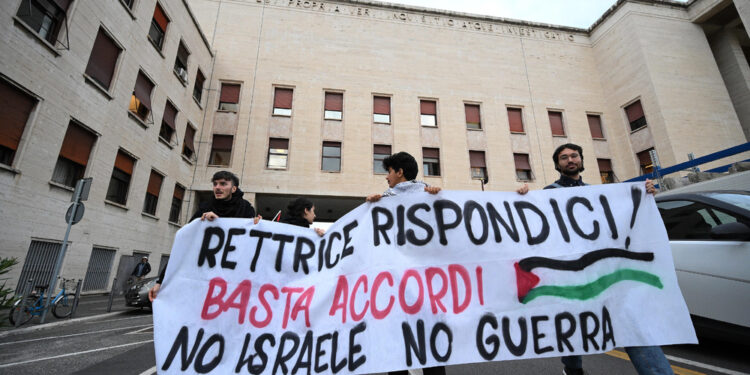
[(523, 167), (515, 119), (177, 197), (595, 126), (230, 97), (117, 191), (103, 59), (17, 106), (278, 153), (282, 102), (74, 155), (556, 123), (605, 170), (158, 27), (188, 146), (478, 166), (152, 193), (636, 118), (198, 86), (181, 62), (128, 3), (167, 130), (644, 159), (379, 153), (381, 110), (334, 106), (331, 156), (431, 161), (473, 120), (221, 150), (428, 113), (140, 101), (45, 17)]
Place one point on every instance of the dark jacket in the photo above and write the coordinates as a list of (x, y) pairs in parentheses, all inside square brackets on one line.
[(146, 269), (566, 181), (297, 220), (234, 207)]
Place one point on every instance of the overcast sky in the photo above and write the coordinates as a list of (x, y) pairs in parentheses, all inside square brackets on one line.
[(576, 13)]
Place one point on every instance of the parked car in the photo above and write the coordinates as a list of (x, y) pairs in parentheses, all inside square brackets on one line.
[(709, 233), (137, 294)]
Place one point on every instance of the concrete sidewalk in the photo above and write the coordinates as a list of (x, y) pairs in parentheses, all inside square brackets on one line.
[(90, 306)]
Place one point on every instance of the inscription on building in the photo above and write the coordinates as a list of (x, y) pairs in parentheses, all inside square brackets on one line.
[(424, 19)]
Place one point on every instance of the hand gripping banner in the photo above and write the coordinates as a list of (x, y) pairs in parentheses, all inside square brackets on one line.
[(422, 280)]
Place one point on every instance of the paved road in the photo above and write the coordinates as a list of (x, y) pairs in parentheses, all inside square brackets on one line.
[(123, 344)]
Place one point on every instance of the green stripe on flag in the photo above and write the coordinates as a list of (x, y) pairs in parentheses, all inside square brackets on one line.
[(594, 288)]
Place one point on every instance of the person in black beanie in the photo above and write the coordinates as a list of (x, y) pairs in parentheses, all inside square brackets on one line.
[(226, 202), (301, 212)]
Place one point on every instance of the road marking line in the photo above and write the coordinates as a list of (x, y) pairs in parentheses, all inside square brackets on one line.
[(705, 366), (150, 371), (113, 320), (140, 330), (72, 334), (679, 370), (72, 354)]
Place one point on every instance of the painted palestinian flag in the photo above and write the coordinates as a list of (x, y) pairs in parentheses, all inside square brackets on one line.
[(527, 282)]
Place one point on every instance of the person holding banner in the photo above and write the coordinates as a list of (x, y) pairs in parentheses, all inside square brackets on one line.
[(226, 202), (568, 159), (301, 212), (402, 171)]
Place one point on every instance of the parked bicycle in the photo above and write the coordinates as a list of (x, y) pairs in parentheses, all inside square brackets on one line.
[(62, 304)]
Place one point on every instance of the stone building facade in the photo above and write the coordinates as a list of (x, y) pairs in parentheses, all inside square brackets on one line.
[(303, 98)]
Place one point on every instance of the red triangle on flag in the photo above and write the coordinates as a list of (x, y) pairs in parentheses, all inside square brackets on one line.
[(525, 281)]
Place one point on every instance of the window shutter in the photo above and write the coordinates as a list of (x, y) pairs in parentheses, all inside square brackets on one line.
[(230, 93), (143, 89), (179, 192), (189, 135), (222, 142), (472, 113), (595, 125), (605, 165), (382, 105), (282, 98), (170, 112), (644, 158), (77, 144), (124, 163), (428, 107), (634, 111), (199, 79), (515, 120), (154, 183), (522, 161), (101, 65), (278, 143), (16, 109), (334, 101), (556, 123), (476, 159), (63, 4), (182, 53), (431, 153), (381, 149), (160, 18)]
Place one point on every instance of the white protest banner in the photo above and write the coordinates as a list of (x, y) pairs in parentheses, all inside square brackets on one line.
[(421, 280)]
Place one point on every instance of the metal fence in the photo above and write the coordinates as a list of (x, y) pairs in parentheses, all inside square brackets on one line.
[(100, 265), (39, 264)]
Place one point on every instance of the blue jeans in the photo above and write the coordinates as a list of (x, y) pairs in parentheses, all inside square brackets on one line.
[(645, 359)]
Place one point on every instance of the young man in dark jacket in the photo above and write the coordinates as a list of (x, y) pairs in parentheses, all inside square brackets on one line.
[(568, 160), (226, 202)]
